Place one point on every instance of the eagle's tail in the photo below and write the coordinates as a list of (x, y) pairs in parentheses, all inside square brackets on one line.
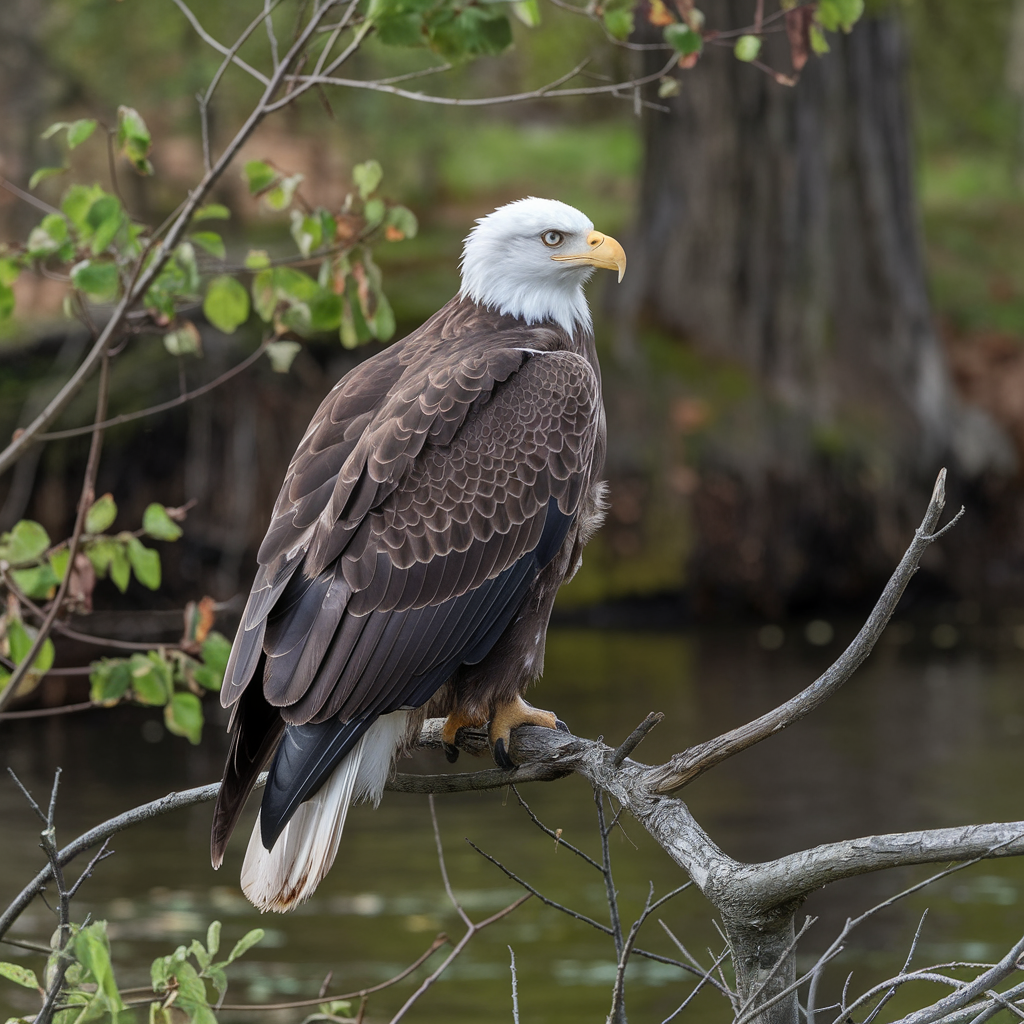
[(288, 874)]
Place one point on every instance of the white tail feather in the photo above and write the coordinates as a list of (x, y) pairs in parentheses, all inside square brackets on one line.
[(287, 875)]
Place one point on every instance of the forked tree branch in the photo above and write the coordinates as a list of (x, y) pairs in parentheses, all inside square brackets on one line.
[(552, 89), (752, 891), (693, 762)]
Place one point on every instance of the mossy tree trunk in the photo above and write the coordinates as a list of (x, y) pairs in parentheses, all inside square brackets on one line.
[(777, 228)]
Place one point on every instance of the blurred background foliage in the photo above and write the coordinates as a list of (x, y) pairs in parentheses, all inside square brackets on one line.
[(78, 58)]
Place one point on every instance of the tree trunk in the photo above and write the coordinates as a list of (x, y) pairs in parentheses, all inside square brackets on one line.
[(764, 959), (777, 229)]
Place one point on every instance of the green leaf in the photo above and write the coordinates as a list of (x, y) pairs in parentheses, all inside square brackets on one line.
[(101, 514), (100, 552), (246, 942), (92, 950), (52, 129), (151, 679), (374, 212), (59, 562), (40, 582), (619, 22), (257, 259), (48, 237), (747, 48), (183, 716), (78, 201), (216, 650), (819, 44), (337, 1008), (226, 304), (264, 295), (191, 996), (281, 195), (120, 567), (839, 14), (158, 524), (19, 642), (325, 312), (6, 302), (196, 948), (80, 130), (19, 975), (185, 341), (25, 543), (383, 321), (400, 223), (366, 177), (10, 269), (307, 232), (282, 354), (294, 286), (259, 176), (528, 12), (668, 87), (133, 138), (109, 680), (99, 281), (683, 39), (145, 563), (213, 938), (42, 173), (212, 211), (211, 242)]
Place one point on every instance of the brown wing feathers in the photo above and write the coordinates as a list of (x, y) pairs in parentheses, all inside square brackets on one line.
[(415, 507)]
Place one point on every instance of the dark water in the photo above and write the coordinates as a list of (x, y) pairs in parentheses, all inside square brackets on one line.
[(921, 737)]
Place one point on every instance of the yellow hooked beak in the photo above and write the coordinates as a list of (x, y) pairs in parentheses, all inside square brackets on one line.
[(602, 251)]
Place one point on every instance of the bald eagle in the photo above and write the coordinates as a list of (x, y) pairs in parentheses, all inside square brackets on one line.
[(440, 496)]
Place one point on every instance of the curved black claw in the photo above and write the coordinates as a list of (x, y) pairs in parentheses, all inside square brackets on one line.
[(452, 753), (561, 726), (501, 758)]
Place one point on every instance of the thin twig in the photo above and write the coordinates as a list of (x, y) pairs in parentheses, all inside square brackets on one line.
[(609, 881), (906, 965), (683, 768), (700, 984), (544, 899), (27, 196), (544, 92), (102, 854), (127, 417), (557, 836), (444, 870), (515, 988), (268, 8), (297, 1004), (618, 1008), (48, 836), (636, 737), (470, 932), (85, 501), (218, 46)]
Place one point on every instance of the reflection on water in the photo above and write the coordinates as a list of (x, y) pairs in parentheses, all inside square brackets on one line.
[(920, 738)]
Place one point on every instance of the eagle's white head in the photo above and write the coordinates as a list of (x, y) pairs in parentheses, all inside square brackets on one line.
[(530, 259)]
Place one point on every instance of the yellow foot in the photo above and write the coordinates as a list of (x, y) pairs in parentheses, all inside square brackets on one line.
[(453, 723), (507, 717)]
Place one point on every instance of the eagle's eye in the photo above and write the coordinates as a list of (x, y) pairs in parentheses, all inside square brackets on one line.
[(552, 239)]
